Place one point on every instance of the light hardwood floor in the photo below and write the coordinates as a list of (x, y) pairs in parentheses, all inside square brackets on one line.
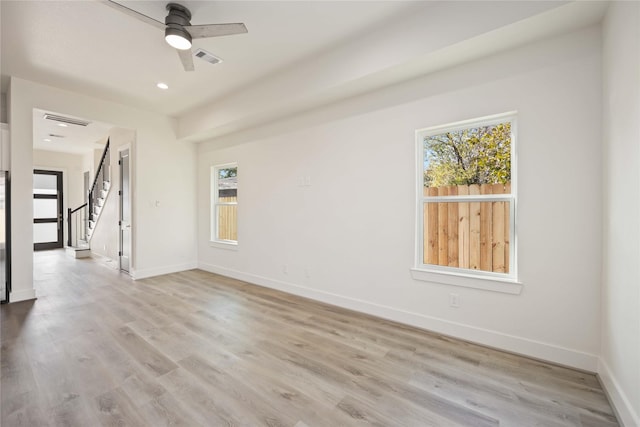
[(194, 348)]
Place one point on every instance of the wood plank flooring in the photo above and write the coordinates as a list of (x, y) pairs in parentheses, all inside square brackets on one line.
[(194, 348)]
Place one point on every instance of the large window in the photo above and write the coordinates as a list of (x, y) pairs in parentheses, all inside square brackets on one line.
[(466, 198), (224, 212)]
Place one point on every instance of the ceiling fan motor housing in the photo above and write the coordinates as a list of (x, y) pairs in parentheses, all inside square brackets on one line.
[(178, 15), (178, 18)]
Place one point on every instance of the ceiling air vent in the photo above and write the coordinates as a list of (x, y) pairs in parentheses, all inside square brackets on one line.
[(206, 56), (68, 120)]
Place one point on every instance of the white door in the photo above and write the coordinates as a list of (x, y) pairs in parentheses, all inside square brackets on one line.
[(125, 211), (3, 236)]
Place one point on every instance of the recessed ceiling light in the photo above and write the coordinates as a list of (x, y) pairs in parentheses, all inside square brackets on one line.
[(63, 125), (163, 86), (46, 140)]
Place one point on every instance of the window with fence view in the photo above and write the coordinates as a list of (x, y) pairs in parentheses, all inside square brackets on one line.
[(225, 203), (466, 199)]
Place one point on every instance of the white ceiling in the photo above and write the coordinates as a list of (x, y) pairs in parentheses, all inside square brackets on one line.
[(90, 47), (297, 55), (50, 136)]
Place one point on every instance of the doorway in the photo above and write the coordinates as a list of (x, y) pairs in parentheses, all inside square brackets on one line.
[(125, 210), (47, 210)]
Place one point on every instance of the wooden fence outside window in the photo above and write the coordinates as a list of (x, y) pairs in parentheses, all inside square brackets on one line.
[(228, 219), (471, 235)]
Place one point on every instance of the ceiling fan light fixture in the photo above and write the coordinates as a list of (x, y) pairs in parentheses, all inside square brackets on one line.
[(178, 30), (177, 38)]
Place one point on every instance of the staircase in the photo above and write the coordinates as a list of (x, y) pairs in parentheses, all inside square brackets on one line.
[(95, 208), (82, 221)]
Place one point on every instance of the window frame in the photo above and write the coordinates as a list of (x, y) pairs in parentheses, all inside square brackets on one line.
[(215, 204), (501, 282)]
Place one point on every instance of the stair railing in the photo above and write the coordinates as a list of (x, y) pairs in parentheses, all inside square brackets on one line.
[(80, 226), (102, 175)]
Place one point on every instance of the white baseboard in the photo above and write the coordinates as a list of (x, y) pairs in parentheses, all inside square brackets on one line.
[(495, 339), (22, 295), (158, 271), (618, 398)]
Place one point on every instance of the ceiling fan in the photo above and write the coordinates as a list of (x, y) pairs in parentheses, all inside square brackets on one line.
[(178, 31)]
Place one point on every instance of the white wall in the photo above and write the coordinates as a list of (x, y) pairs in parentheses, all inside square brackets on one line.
[(5, 147), (3, 108), (620, 364), (163, 171), (91, 160), (72, 184), (352, 230)]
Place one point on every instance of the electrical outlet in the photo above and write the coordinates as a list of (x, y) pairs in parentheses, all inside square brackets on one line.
[(307, 273), (285, 269), (454, 300)]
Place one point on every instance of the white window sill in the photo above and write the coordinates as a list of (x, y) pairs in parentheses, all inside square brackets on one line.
[(222, 244), (494, 284)]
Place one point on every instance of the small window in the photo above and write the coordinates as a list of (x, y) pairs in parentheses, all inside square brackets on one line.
[(466, 198), (224, 212)]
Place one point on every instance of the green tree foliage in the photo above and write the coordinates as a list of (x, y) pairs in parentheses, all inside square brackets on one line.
[(480, 155), (227, 173)]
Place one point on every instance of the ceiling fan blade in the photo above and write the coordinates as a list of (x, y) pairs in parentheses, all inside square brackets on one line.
[(215, 30), (186, 57), (139, 16)]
